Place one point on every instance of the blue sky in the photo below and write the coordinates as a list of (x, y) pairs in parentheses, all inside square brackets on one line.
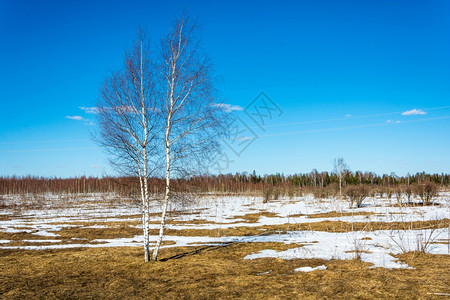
[(340, 72)]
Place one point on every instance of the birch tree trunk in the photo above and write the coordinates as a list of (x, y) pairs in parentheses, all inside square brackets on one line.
[(130, 127), (164, 209), (191, 116), (167, 192), (144, 221)]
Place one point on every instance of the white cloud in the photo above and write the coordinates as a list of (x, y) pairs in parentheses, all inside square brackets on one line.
[(77, 118), (80, 118), (393, 122), (228, 107), (413, 112), (89, 110)]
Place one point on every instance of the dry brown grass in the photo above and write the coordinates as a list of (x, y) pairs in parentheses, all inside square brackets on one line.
[(121, 230), (329, 226), (333, 214), (127, 229), (209, 273), (254, 217)]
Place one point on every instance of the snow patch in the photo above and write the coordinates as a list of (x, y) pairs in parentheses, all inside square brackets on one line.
[(309, 269)]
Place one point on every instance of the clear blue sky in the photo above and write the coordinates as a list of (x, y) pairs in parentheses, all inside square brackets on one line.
[(350, 67)]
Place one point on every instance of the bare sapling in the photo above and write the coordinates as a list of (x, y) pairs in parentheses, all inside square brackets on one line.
[(340, 168), (398, 190), (408, 190)]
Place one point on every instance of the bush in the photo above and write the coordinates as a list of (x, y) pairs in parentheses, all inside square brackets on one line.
[(276, 194), (408, 192), (399, 190), (291, 193), (357, 194), (325, 192), (267, 194), (427, 191)]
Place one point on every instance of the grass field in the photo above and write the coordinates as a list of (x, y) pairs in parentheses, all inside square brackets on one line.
[(89, 246)]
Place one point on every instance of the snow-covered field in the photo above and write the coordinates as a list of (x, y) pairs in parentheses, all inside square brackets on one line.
[(215, 213)]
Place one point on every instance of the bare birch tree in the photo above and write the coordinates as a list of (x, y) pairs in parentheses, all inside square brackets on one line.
[(130, 123), (340, 168), (193, 121)]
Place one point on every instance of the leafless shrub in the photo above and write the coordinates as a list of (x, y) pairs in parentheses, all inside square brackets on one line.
[(291, 193), (3, 202), (425, 239), (320, 193), (399, 190), (408, 192), (419, 241), (276, 194), (325, 192), (267, 194), (357, 194), (427, 191), (183, 200)]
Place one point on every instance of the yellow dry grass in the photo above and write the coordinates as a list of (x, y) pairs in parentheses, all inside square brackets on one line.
[(128, 229), (334, 214), (209, 273)]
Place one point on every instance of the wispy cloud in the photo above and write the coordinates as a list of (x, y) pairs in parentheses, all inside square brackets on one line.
[(228, 107), (89, 110), (80, 118), (77, 118), (413, 112), (393, 121)]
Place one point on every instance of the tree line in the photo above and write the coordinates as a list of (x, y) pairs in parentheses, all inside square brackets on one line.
[(224, 183)]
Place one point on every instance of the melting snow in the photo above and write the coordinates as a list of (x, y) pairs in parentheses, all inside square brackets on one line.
[(375, 247), (309, 269)]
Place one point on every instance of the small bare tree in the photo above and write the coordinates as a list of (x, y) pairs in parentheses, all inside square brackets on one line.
[(427, 191), (408, 192), (162, 111), (340, 168), (193, 122), (129, 124), (357, 194), (399, 190)]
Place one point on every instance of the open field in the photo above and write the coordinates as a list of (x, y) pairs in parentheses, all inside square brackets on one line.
[(89, 246)]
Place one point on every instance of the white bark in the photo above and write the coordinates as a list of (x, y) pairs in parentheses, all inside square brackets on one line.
[(188, 108), (340, 167), (129, 126), (167, 192)]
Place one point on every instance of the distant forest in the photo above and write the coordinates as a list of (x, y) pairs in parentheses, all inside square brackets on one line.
[(227, 183)]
